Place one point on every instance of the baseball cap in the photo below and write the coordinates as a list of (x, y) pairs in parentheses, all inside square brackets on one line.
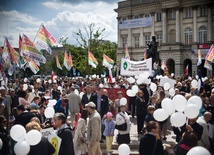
[(90, 104)]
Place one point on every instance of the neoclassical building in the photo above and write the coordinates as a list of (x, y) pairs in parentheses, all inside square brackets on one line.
[(182, 27)]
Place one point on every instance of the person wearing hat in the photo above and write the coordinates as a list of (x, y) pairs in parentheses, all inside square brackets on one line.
[(109, 124), (121, 118), (93, 130), (116, 104)]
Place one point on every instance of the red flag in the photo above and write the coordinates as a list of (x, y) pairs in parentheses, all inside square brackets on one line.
[(187, 70), (52, 75)]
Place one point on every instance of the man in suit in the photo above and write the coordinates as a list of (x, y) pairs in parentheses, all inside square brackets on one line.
[(101, 102), (87, 96), (74, 103)]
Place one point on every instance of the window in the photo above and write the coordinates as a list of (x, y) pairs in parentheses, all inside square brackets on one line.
[(159, 38), (202, 34), (171, 37), (188, 36), (188, 12), (158, 17), (136, 41), (124, 41), (203, 11), (171, 14), (147, 39), (146, 15)]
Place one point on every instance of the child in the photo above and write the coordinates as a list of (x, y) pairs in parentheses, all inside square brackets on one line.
[(109, 131), (75, 122), (149, 115)]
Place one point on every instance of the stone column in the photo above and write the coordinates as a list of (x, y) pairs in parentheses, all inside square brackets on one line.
[(164, 26), (118, 33), (177, 26), (209, 23), (129, 39), (141, 39), (195, 32), (153, 24)]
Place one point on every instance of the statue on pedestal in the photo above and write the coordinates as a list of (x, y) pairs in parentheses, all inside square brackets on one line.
[(152, 51)]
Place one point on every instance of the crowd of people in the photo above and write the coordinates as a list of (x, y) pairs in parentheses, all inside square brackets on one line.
[(85, 115)]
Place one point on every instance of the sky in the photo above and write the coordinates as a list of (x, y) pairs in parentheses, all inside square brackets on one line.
[(62, 18)]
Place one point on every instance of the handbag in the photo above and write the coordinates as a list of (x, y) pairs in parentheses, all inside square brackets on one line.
[(122, 127)]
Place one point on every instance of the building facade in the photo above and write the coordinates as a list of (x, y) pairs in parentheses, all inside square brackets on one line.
[(182, 27)]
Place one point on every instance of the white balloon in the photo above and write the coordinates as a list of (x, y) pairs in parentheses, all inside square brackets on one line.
[(130, 93), (21, 148), (49, 112), (198, 150), (50, 81), (124, 149), (135, 89), (123, 101), (25, 86), (160, 115), (196, 100), (101, 85), (33, 137), (153, 86), (196, 77), (38, 80), (52, 102), (25, 79), (18, 132), (76, 92), (146, 74), (179, 102), (166, 86), (194, 83), (178, 119), (167, 106), (191, 111), (1, 144), (81, 94), (171, 92)]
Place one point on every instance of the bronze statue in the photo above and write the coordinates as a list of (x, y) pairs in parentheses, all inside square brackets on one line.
[(152, 51)]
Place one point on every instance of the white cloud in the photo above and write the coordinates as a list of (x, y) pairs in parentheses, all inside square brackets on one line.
[(67, 20)]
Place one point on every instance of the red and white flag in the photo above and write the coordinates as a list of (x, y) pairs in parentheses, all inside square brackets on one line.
[(187, 70)]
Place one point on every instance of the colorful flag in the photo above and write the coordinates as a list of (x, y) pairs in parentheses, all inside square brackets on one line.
[(127, 53), (44, 40), (20, 43), (107, 62), (92, 60), (52, 75), (22, 61), (186, 70), (144, 54), (210, 54), (70, 61), (199, 58), (33, 66), (9, 54), (208, 65), (57, 62), (66, 61), (29, 50), (2, 63), (110, 77)]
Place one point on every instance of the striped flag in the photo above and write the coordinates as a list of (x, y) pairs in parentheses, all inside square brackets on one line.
[(199, 58), (30, 50), (33, 66), (107, 62), (144, 54), (44, 39), (127, 53), (9, 54), (66, 61), (210, 54), (92, 60), (57, 62), (110, 77), (70, 61), (208, 65)]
